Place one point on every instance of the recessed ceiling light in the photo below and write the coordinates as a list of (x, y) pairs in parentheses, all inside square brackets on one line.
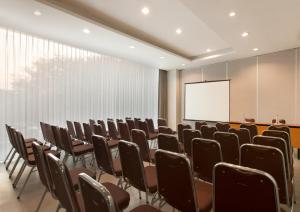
[(178, 31), (37, 13), (86, 31), (132, 47), (162, 57), (245, 34), (183, 64), (208, 50), (211, 57), (232, 14), (255, 49), (145, 10)]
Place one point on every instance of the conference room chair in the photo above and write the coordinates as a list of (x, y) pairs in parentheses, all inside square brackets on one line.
[(12, 150), (252, 129), (88, 132), (208, 131), (102, 123), (151, 126), (238, 188), (206, 153), (118, 121), (135, 174), (199, 124), (139, 137), (131, 124), (79, 131), (104, 159), (180, 128), (77, 152), (136, 122), (222, 127), (169, 143), (144, 127), (92, 122), (188, 135), (58, 139), (124, 131), (162, 122), (112, 143), (112, 130), (280, 121), (249, 120), (166, 130), (50, 135), (243, 134), (71, 129), (270, 160), (97, 198), (280, 128), (230, 147), (176, 185)]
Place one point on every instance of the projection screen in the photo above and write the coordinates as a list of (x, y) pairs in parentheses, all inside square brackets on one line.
[(207, 101)]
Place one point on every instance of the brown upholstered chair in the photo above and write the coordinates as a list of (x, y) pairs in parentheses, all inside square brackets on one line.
[(92, 122), (174, 177), (208, 131), (131, 125), (249, 120), (96, 197), (144, 126), (243, 134), (169, 143), (229, 145), (139, 138), (162, 122), (112, 130), (136, 122), (151, 126), (222, 127), (188, 135), (79, 131), (98, 130), (206, 153), (134, 173), (166, 130), (102, 123), (280, 128), (13, 150), (88, 132), (270, 160), (58, 139), (252, 129), (71, 129), (180, 128), (238, 188), (199, 124), (124, 131)]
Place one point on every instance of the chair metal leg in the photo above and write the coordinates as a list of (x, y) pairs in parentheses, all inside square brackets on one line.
[(10, 160), (19, 175), (147, 200), (41, 201), (65, 158), (83, 161), (8, 155), (25, 183), (15, 165), (140, 196)]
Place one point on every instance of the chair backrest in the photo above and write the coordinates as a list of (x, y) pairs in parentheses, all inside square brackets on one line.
[(277, 143), (64, 189), (92, 122), (139, 138), (71, 129), (102, 154), (150, 125), (238, 188), (222, 127), (188, 135), (95, 196), (88, 132), (144, 127), (280, 128), (243, 134), (270, 160), (131, 125), (208, 131), (165, 130), (98, 130), (79, 132), (57, 137), (112, 129), (136, 122), (102, 123), (174, 177), (168, 142), (206, 153), (282, 121), (132, 165), (229, 145), (124, 131), (10, 137), (249, 120), (162, 122), (119, 120), (199, 124), (180, 128), (252, 129), (66, 140), (22, 146), (44, 133)]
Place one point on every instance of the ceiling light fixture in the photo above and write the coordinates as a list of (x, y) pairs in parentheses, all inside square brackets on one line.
[(232, 14), (86, 31), (178, 31), (245, 34), (211, 57), (162, 57), (37, 13), (255, 49), (208, 50), (183, 64), (145, 10), (132, 47)]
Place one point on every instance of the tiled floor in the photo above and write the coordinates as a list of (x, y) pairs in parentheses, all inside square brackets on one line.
[(34, 191)]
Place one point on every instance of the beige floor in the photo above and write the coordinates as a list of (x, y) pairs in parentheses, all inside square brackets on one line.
[(34, 190)]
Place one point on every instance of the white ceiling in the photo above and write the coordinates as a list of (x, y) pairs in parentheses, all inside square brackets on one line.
[(273, 25)]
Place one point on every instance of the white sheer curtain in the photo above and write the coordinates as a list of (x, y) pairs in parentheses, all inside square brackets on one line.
[(42, 80)]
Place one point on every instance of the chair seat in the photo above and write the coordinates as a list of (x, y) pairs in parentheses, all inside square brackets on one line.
[(204, 195), (76, 142), (120, 196), (29, 142), (74, 173), (83, 149), (112, 143), (31, 158), (117, 167), (151, 178), (145, 208)]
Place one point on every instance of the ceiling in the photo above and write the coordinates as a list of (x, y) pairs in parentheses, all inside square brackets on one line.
[(115, 25)]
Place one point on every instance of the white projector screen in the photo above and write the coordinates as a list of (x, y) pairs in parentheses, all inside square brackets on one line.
[(207, 101)]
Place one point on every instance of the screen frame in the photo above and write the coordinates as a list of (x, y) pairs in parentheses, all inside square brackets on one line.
[(205, 81)]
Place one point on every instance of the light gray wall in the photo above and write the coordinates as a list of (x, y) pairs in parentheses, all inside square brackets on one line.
[(261, 87)]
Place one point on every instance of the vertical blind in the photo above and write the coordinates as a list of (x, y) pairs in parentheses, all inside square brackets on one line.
[(42, 80)]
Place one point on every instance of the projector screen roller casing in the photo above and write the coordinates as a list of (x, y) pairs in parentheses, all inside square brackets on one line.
[(209, 101)]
